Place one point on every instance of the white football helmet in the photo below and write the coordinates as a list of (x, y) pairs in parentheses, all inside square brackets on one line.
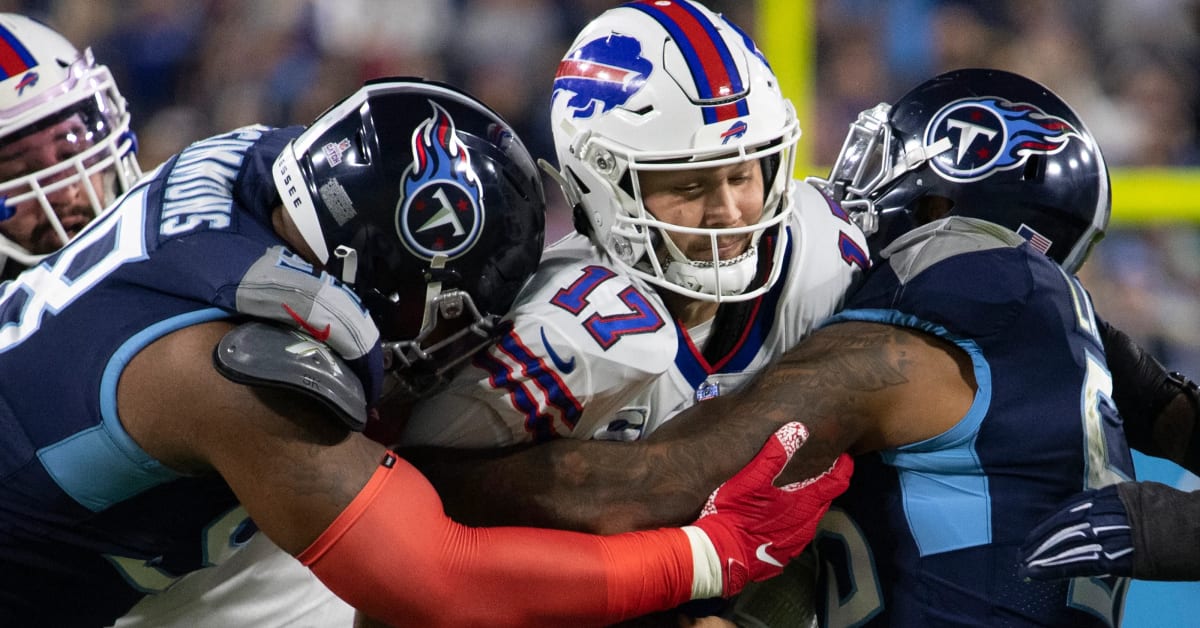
[(47, 83), (670, 85)]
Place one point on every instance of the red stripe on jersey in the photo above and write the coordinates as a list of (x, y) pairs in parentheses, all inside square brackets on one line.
[(548, 396)]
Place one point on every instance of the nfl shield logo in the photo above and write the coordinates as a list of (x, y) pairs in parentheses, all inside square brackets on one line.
[(707, 390)]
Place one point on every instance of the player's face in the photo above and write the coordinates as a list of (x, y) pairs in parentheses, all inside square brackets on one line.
[(713, 198), (29, 226)]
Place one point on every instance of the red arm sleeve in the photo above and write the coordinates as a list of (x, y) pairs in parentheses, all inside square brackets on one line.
[(395, 555)]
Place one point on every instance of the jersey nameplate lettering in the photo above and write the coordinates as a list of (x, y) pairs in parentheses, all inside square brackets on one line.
[(197, 190)]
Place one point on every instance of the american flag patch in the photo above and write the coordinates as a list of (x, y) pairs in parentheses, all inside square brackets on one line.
[(1035, 239)]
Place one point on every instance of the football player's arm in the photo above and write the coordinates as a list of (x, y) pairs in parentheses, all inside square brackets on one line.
[(1141, 529), (857, 386), (373, 529), (1161, 410)]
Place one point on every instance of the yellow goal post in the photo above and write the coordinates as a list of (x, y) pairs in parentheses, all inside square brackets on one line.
[(786, 30)]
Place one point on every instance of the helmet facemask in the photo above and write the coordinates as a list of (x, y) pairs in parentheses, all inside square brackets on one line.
[(978, 143), (74, 102), (645, 245), (452, 330), (870, 160), (631, 97)]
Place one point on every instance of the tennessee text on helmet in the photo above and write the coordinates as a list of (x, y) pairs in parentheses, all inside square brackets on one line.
[(46, 82), (995, 145), (670, 85), (424, 201)]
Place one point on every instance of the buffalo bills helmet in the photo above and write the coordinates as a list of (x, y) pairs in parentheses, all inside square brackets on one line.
[(986, 144), (660, 85), (66, 151), (422, 200)]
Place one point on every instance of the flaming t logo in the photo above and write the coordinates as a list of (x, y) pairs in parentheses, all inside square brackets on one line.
[(991, 134), (440, 211)]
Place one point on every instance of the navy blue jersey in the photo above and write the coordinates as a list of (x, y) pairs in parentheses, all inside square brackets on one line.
[(88, 521), (927, 534)]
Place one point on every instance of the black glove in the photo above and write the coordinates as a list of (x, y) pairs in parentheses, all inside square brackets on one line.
[(1146, 530), (1088, 536)]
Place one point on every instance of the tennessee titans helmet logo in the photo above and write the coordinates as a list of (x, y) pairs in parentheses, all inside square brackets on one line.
[(989, 134), (601, 74), (440, 211)]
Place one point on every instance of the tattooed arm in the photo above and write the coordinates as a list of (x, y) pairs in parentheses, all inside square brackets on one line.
[(857, 386)]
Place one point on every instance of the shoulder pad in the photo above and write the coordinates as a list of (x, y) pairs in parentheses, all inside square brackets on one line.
[(265, 354)]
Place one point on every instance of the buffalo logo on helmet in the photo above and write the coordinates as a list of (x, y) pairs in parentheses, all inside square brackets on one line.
[(601, 74), (732, 133), (440, 211), (989, 134), (29, 80)]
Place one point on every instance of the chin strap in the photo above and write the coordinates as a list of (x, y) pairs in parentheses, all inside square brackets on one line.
[(724, 278)]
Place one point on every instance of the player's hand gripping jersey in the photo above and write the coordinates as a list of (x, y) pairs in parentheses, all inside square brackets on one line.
[(594, 353)]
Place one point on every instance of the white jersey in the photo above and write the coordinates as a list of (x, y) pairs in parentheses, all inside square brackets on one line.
[(594, 353), (257, 587)]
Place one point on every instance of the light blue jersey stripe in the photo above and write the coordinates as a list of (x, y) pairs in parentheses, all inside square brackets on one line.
[(943, 483), (102, 465)]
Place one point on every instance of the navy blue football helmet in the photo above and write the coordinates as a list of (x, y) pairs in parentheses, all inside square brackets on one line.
[(424, 201), (982, 143)]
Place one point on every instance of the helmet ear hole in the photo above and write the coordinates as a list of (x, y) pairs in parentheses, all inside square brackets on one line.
[(626, 184), (364, 147), (579, 220)]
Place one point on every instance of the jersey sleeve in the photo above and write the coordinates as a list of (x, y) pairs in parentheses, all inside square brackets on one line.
[(584, 340), (826, 260)]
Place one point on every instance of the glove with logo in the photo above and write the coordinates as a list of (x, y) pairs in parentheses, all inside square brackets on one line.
[(320, 306), (754, 528), (1088, 536), (1145, 530)]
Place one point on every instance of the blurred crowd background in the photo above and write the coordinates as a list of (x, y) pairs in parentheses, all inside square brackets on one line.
[(191, 68)]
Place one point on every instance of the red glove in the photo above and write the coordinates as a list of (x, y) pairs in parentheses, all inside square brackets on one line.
[(754, 527)]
